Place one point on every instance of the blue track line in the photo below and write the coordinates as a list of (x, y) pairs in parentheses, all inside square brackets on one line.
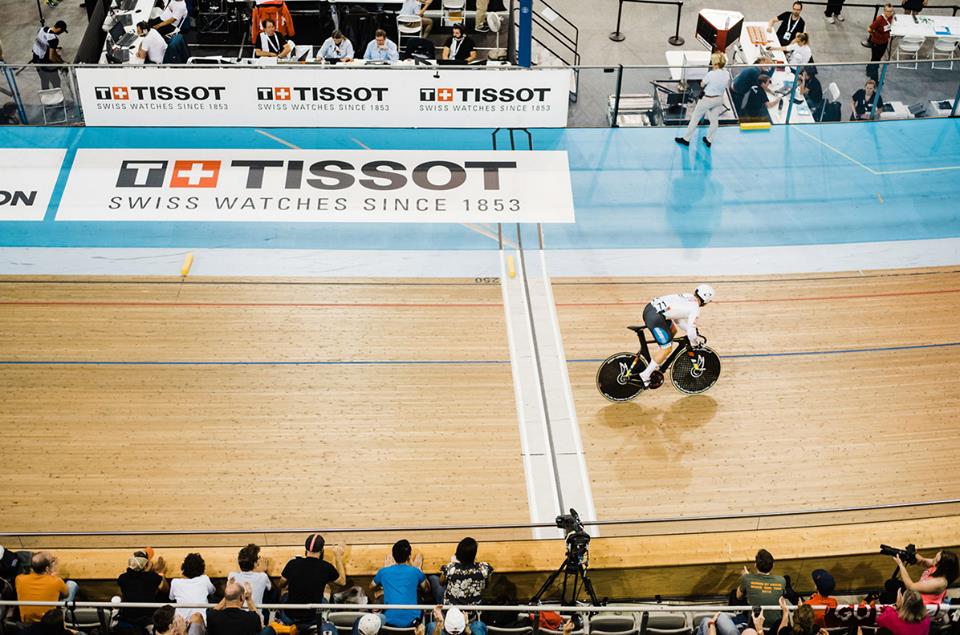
[(439, 362)]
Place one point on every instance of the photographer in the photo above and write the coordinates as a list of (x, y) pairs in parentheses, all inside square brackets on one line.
[(940, 573)]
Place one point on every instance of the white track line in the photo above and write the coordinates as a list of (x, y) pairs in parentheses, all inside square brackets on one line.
[(278, 139), (840, 152), (919, 170), (846, 156)]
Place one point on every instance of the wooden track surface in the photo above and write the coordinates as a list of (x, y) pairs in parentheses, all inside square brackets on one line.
[(779, 432), (240, 446)]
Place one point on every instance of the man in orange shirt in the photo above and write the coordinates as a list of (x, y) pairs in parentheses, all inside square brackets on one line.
[(825, 586), (42, 584)]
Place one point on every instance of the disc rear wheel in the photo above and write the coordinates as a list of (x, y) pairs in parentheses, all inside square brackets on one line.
[(612, 381)]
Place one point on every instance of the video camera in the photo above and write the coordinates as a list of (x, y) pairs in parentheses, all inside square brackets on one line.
[(578, 540), (908, 555)]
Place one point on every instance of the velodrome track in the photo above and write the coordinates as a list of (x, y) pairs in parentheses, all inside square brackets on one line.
[(338, 387)]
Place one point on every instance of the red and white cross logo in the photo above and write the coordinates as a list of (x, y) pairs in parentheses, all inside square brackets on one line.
[(120, 92), (195, 174)]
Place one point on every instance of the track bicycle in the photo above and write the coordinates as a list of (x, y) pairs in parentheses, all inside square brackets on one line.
[(692, 370)]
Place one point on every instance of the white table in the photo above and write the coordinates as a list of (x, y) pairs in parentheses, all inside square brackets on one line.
[(800, 112), (140, 13), (752, 51), (925, 26), (900, 111)]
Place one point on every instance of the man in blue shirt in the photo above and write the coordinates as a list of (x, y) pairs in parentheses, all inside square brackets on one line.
[(400, 582), (337, 47), (380, 49), (749, 77)]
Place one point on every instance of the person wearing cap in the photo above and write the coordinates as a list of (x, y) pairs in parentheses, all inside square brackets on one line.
[(42, 584), (456, 622), (400, 582), (143, 581), (368, 624), (825, 587), (46, 50), (306, 578)]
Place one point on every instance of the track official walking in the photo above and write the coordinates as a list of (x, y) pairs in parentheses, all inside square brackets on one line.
[(715, 84)]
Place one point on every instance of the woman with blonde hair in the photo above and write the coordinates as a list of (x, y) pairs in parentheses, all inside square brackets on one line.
[(715, 84), (908, 618)]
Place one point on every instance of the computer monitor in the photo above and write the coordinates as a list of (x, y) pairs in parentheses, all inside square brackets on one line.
[(117, 31)]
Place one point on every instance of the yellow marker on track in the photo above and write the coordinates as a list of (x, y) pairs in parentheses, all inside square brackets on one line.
[(755, 125), (511, 271), (187, 263)]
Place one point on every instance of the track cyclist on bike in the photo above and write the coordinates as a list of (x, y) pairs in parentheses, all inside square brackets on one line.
[(663, 315)]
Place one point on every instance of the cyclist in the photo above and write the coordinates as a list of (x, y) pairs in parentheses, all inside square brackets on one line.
[(663, 315)]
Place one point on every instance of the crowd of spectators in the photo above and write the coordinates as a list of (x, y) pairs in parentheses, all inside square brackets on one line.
[(459, 584)]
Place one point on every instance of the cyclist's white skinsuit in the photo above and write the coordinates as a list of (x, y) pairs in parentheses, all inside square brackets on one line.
[(683, 309)]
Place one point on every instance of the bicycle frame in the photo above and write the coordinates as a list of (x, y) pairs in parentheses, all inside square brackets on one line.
[(683, 344)]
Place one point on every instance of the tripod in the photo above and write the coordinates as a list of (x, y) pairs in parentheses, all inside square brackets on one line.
[(577, 569)]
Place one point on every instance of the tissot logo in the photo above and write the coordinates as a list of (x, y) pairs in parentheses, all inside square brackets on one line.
[(484, 95), (159, 93), (321, 93), (191, 174)]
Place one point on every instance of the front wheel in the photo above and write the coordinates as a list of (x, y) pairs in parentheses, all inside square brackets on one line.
[(696, 374), (612, 381)]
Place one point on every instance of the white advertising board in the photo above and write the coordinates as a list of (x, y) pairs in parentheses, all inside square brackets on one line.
[(324, 97), (356, 186), (27, 179)]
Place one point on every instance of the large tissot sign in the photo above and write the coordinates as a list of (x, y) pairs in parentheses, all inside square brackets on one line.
[(318, 186), (325, 97)]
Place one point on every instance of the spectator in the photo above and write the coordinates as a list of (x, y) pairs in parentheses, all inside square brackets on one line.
[(878, 39), (804, 620), (193, 588), (481, 18), (400, 582), (754, 104), (456, 623), (42, 584), (810, 89), (141, 582), (152, 47), (463, 580), (862, 101), (749, 77), (832, 12), (229, 618), (50, 624), (459, 47), (251, 571), (913, 7), (272, 44), (368, 624), (715, 84), (762, 587), (825, 585), (166, 621), (337, 47), (790, 24), (171, 18), (307, 577), (9, 564), (418, 8), (381, 49), (799, 49), (940, 573), (46, 50), (908, 618)]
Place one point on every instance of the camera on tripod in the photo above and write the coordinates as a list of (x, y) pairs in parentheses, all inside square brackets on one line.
[(578, 540), (908, 555)]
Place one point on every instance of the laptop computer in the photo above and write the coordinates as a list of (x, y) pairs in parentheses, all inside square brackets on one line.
[(120, 36), (118, 56)]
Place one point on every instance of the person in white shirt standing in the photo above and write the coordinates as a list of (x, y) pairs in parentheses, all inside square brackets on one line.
[(715, 84), (193, 587), (153, 46), (663, 315)]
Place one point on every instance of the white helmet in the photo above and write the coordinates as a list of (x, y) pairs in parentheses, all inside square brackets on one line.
[(705, 292)]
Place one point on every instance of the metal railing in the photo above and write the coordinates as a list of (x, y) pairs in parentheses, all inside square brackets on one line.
[(608, 94)]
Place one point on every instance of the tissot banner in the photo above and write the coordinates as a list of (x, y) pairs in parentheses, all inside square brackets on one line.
[(27, 179), (354, 186), (324, 97)]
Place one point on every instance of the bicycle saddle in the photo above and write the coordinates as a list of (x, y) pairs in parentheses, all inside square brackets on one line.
[(637, 329)]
